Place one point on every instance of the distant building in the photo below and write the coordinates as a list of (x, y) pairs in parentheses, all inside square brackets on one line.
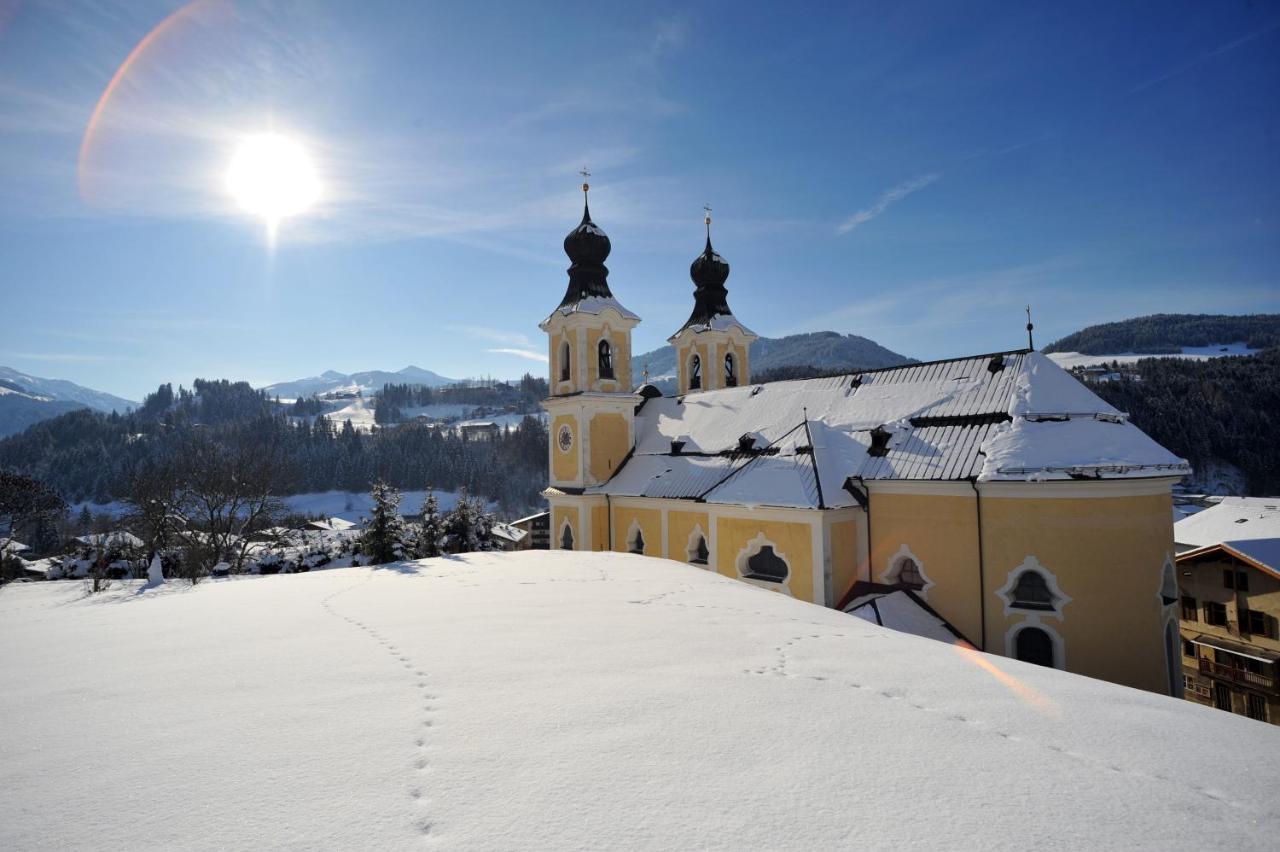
[(1229, 584), (509, 537), (330, 525), (478, 431), (539, 529)]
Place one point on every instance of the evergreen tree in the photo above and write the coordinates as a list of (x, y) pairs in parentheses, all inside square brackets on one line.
[(460, 528), (383, 539), (432, 527), (84, 523), (484, 522)]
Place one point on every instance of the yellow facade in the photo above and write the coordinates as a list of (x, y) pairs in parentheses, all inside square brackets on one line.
[(610, 444), (647, 521), (846, 561), (564, 463), (619, 340), (680, 530), (792, 540), (561, 515)]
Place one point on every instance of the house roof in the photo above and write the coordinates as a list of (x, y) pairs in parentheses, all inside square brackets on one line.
[(1248, 527), (119, 537), (898, 609), (336, 524), (1004, 416)]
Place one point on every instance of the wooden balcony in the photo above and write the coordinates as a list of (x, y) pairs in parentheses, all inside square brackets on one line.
[(1241, 676)]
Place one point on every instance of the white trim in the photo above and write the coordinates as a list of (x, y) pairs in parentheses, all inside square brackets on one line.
[(689, 550), (629, 542), (1033, 620), (1074, 489), (751, 548), (560, 533), (893, 564), (1167, 569), (663, 512), (939, 488), (1173, 663), (1060, 598)]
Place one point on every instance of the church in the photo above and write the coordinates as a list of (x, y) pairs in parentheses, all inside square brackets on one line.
[(994, 492)]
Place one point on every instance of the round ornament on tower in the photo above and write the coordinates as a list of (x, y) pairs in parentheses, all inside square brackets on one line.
[(564, 438)]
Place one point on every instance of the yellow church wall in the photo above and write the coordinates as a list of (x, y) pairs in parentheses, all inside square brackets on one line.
[(650, 522), (740, 359), (1107, 555), (618, 339), (564, 466), (609, 444), (559, 514), (845, 557), (599, 527), (685, 352), (941, 532), (793, 541), (680, 526)]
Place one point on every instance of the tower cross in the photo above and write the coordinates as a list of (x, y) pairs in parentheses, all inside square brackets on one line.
[(707, 219), (585, 174)]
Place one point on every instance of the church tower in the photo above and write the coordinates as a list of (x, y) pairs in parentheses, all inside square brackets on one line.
[(712, 347), (591, 406)]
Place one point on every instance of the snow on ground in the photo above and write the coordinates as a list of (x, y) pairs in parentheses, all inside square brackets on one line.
[(359, 411), (1068, 360), (352, 506), (585, 701)]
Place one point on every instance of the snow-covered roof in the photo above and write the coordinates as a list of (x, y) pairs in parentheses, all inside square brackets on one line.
[(119, 538), (1008, 416), (591, 305), (331, 524), (510, 533), (1248, 526), (900, 611), (560, 700), (719, 322), (12, 545)]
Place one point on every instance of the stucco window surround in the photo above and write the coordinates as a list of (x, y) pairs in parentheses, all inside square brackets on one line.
[(904, 558), (1168, 592), (1059, 598), (635, 539), (755, 547), (1059, 646), (694, 556), (566, 539), (695, 371), (566, 360)]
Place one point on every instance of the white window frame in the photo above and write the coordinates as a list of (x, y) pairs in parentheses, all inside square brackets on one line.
[(632, 531), (1059, 645), (750, 549), (691, 549), (1060, 598), (893, 565), (560, 538)]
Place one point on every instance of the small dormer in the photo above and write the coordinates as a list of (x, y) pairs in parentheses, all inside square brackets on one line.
[(712, 347)]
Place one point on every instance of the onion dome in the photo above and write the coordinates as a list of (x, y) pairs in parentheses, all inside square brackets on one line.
[(709, 271), (587, 247)]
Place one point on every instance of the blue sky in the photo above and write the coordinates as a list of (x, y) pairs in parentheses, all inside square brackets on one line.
[(911, 172)]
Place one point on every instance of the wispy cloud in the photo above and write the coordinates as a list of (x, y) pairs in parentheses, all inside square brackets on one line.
[(886, 200), (66, 357), (1217, 51), (527, 354), (496, 335)]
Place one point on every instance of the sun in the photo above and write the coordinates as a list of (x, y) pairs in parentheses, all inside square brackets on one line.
[(272, 176)]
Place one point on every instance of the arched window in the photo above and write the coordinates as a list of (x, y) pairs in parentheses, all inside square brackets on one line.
[(730, 371), (698, 554), (909, 574), (566, 538), (637, 542), (766, 565), (1032, 592), (695, 373), (564, 361), (606, 359), (1033, 645)]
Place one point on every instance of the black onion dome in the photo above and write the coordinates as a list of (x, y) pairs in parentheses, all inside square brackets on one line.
[(710, 298), (587, 247)]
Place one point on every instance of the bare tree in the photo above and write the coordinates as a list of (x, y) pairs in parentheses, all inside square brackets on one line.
[(151, 493), (24, 503), (225, 493)]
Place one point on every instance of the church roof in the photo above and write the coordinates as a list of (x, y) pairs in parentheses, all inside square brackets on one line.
[(1008, 416), (588, 292), (709, 272)]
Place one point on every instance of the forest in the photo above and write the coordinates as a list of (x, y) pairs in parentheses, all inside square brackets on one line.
[(86, 455), (1164, 334)]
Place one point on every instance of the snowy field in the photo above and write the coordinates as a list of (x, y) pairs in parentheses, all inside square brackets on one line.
[(1069, 360), (576, 701)]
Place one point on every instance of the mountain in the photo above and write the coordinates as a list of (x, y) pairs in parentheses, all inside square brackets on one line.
[(366, 382), (824, 350), (1168, 334), (25, 400)]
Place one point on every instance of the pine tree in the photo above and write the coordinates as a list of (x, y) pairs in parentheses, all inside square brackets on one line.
[(461, 527), (383, 539), (432, 527), (484, 522), (85, 521)]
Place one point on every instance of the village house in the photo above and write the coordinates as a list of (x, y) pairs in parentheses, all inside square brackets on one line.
[(1027, 514), (1229, 584)]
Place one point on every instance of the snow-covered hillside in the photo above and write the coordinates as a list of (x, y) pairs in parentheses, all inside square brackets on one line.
[(26, 399), (583, 701), (1068, 360), (367, 382), (62, 390)]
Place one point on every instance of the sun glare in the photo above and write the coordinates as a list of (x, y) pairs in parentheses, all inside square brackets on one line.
[(272, 176)]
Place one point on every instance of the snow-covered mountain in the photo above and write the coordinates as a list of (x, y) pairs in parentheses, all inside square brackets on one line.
[(366, 382), (26, 399)]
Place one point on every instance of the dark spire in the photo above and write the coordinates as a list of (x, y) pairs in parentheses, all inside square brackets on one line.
[(587, 247), (709, 271), (1031, 344)]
